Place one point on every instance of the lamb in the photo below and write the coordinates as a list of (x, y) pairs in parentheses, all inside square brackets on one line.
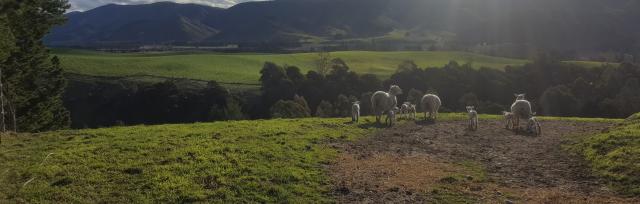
[(533, 126), (412, 111), (404, 110), (391, 116), (473, 118), (382, 102), (521, 109), (508, 119), (430, 103), (355, 112)]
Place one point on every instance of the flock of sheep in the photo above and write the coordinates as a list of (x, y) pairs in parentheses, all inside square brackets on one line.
[(386, 103)]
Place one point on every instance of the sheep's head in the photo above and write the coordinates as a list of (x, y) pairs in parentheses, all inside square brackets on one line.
[(470, 108), (395, 90), (519, 96)]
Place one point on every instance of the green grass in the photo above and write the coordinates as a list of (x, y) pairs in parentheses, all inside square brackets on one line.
[(245, 67), (615, 155), (225, 162)]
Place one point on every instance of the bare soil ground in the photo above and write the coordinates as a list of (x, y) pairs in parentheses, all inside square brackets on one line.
[(420, 162)]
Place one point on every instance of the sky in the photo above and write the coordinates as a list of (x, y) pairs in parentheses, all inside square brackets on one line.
[(83, 5)]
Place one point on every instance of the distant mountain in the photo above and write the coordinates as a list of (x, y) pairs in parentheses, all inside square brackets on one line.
[(570, 25)]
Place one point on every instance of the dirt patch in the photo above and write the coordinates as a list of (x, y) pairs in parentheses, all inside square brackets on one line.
[(415, 162)]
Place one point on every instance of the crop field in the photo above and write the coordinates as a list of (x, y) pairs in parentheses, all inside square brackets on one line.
[(245, 68), (321, 160)]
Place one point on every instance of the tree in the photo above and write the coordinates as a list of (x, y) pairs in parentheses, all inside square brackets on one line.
[(343, 106), (34, 81), (323, 63), (414, 96), (302, 102), (325, 110), (288, 109), (559, 101)]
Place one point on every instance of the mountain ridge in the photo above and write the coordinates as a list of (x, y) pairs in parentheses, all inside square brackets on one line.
[(581, 26)]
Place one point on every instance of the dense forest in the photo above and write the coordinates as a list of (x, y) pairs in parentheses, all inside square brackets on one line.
[(554, 87)]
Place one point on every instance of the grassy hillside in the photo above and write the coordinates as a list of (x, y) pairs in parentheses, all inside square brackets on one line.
[(245, 68), (225, 162), (615, 155)]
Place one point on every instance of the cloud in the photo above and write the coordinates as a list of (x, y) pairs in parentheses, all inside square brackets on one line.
[(83, 5)]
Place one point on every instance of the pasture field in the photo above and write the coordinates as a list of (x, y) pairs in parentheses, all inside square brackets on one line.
[(245, 67), (280, 160)]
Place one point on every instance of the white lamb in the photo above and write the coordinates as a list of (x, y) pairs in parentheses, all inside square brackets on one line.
[(508, 119), (412, 111), (404, 110), (382, 102), (473, 118), (391, 116), (533, 126), (355, 112), (521, 109), (430, 103)]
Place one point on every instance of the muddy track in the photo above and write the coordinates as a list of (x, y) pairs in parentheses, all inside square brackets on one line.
[(426, 162)]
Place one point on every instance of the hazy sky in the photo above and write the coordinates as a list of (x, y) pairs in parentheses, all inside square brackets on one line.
[(83, 5)]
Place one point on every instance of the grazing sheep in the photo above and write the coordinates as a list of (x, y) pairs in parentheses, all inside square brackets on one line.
[(355, 112), (473, 118), (391, 116), (521, 109), (430, 103), (508, 119), (382, 102), (533, 126)]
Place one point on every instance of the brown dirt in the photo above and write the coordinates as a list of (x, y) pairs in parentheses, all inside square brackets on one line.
[(417, 162)]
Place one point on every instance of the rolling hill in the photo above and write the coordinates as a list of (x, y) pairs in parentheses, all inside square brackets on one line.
[(510, 27)]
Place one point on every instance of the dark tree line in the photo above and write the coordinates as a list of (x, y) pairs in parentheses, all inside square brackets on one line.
[(329, 95), (100, 104), (555, 88)]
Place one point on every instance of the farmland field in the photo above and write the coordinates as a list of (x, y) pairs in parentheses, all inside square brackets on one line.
[(296, 160), (245, 68)]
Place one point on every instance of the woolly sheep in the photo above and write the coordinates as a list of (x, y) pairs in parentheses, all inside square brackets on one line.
[(391, 116), (473, 118), (355, 112), (430, 103), (521, 109), (382, 102), (508, 119)]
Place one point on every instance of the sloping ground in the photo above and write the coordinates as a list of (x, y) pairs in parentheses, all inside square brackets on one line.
[(445, 163), (615, 155), (223, 162)]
